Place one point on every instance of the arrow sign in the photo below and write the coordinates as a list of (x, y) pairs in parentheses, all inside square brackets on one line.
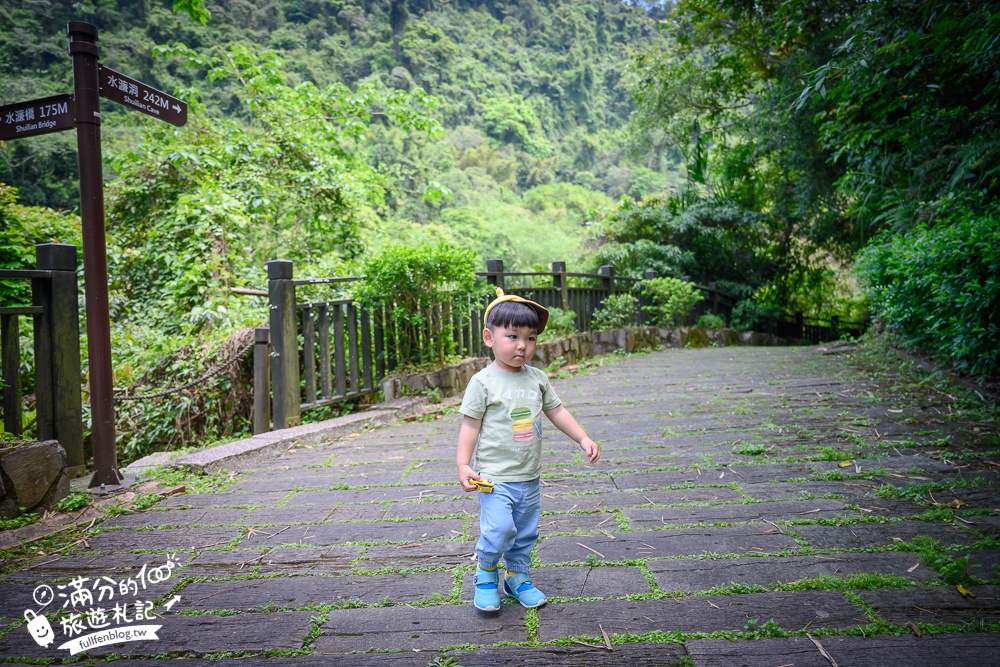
[(139, 96), (41, 116)]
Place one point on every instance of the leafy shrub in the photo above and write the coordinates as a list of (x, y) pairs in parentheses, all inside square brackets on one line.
[(939, 287), (710, 321), (73, 502), (672, 299), (21, 227), (420, 289), (748, 314), (561, 323), (617, 312)]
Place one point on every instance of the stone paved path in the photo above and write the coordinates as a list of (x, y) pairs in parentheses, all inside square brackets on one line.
[(753, 506)]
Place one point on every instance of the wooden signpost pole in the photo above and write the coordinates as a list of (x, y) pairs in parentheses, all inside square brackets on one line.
[(86, 92)]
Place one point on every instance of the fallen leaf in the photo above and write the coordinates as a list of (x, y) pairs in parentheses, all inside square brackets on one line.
[(916, 630), (823, 651), (964, 591), (607, 640), (913, 568), (589, 549), (844, 464)]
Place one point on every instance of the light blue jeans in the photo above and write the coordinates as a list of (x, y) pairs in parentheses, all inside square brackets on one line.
[(508, 524)]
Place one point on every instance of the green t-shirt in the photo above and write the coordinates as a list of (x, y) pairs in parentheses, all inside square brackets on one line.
[(510, 405)]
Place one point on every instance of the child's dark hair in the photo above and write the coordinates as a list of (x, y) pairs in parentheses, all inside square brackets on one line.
[(512, 314)]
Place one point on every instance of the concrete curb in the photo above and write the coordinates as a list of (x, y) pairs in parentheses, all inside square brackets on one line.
[(248, 453)]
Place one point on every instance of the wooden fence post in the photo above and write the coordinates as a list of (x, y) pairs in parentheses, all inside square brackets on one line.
[(261, 380), (58, 371), (713, 290), (559, 282), (495, 268), (800, 326), (11, 364), (608, 277), (645, 300), (284, 345)]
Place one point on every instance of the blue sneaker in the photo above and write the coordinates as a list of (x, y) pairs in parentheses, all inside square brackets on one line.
[(519, 587), (487, 593)]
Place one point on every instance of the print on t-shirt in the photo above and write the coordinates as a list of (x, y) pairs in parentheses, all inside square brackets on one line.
[(524, 427)]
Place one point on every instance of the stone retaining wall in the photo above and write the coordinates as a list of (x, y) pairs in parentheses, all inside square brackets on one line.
[(32, 476), (452, 380)]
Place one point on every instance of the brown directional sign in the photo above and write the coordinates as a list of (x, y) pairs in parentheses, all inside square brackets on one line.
[(41, 116), (141, 97)]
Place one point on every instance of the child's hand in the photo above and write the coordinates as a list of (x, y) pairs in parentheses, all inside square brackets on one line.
[(591, 449), (465, 473)]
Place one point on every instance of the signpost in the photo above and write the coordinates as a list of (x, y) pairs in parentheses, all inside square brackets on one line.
[(82, 111), (48, 114), (141, 97)]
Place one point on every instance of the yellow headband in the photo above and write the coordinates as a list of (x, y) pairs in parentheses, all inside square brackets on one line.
[(543, 314)]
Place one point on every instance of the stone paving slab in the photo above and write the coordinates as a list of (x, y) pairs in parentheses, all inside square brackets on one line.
[(15, 598), (691, 576), (233, 563), (940, 604), (359, 512), (298, 592), (166, 539), (375, 494), (424, 628), (418, 555), (364, 473), (984, 564), (663, 544), (569, 523), (858, 535), (780, 490), (581, 484), (192, 517), (265, 516), (791, 610), (623, 655), (964, 650), (579, 582), (56, 568), (410, 509), (641, 517), (308, 560), (340, 533), (744, 475), (624, 499), (197, 501)]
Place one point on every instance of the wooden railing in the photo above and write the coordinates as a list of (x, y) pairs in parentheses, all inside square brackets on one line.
[(56, 345)]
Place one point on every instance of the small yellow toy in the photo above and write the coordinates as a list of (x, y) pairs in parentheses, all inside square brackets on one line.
[(484, 485)]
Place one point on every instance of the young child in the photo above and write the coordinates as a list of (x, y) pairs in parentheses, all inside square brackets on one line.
[(502, 425)]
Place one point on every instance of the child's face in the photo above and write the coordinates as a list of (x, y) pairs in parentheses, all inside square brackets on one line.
[(512, 346)]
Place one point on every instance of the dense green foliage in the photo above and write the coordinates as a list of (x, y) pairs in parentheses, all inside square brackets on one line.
[(671, 300), (826, 124), (941, 287), (617, 311), (21, 228), (196, 209), (419, 288), (530, 91)]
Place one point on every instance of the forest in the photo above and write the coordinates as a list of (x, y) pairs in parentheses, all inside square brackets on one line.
[(836, 159)]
